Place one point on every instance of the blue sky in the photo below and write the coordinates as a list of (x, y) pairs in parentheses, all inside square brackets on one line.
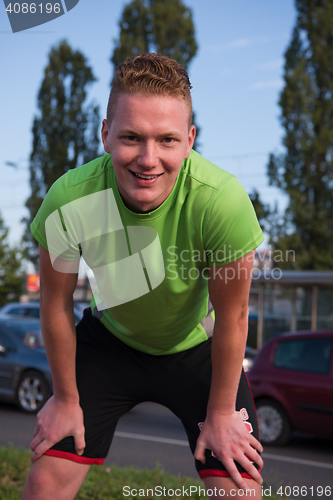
[(236, 78)]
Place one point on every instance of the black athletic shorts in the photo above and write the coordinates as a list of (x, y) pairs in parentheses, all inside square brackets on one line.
[(112, 378)]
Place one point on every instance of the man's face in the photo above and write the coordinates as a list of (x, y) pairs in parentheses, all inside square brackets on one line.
[(148, 139)]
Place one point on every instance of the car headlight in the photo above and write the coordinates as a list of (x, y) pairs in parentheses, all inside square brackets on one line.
[(247, 364)]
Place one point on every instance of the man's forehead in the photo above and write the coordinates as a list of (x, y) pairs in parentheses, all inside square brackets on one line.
[(138, 106), (144, 99)]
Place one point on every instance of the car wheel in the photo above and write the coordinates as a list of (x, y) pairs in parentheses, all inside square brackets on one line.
[(274, 426), (32, 391)]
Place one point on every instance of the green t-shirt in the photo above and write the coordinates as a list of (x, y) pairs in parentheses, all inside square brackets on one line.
[(151, 269)]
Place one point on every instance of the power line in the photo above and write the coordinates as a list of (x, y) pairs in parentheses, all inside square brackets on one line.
[(12, 207), (15, 164), (12, 183), (241, 156)]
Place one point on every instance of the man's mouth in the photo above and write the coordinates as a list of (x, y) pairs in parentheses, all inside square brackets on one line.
[(145, 177)]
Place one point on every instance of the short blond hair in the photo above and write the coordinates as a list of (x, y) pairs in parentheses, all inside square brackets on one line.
[(151, 74)]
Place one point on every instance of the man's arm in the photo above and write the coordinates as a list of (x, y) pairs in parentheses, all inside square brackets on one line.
[(224, 431), (62, 415)]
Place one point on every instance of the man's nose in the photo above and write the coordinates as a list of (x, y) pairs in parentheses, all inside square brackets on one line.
[(148, 156)]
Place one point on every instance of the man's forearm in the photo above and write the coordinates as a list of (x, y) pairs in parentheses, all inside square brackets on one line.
[(58, 327), (228, 347)]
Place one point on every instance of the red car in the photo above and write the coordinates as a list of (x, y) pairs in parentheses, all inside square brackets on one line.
[(292, 385)]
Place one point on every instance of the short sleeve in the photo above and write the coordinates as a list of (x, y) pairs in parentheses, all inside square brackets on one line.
[(48, 227), (231, 227)]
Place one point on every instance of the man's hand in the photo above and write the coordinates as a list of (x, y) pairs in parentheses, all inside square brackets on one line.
[(228, 438), (55, 421)]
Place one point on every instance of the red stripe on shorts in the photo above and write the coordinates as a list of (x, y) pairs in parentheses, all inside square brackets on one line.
[(75, 458), (219, 473)]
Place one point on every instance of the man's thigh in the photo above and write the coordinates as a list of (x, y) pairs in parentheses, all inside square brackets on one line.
[(186, 378), (107, 380)]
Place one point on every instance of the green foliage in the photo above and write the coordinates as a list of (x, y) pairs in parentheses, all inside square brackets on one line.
[(14, 469), (305, 171), (108, 482), (161, 26), (65, 132), (11, 277)]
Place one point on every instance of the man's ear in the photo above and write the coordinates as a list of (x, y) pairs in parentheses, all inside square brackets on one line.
[(105, 135), (191, 137)]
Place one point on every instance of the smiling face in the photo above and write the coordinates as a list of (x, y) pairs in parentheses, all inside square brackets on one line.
[(148, 139)]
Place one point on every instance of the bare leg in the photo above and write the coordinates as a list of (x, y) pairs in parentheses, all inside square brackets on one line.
[(54, 478), (222, 487)]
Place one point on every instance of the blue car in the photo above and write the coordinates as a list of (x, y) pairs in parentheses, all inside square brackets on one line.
[(31, 309), (25, 376)]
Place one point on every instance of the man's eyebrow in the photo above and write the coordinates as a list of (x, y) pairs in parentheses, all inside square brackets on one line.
[(171, 133), (128, 132)]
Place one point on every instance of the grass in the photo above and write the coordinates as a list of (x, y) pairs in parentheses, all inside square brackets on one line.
[(104, 482)]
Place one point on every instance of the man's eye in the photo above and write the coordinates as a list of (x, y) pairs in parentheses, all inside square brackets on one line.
[(130, 137), (168, 140)]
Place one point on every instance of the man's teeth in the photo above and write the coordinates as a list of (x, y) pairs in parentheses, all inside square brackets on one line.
[(145, 176)]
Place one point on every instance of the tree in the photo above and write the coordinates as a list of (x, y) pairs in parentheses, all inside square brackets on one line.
[(161, 26), (262, 210), (11, 276), (305, 171), (65, 132)]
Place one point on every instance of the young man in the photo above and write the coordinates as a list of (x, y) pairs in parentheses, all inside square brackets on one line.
[(162, 228)]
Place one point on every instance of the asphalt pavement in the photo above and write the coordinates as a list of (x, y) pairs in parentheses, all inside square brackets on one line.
[(151, 434)]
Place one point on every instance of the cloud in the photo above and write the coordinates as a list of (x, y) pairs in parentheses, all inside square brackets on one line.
[(268, 84), (276, 63), (236, 44), (239, 43)]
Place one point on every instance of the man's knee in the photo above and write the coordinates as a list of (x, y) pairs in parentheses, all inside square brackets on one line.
[(38, 483), (218, 487), (51, 476)]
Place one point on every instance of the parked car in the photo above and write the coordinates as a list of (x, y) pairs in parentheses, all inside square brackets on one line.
[(25, 376), (292, 385), (31, 309)]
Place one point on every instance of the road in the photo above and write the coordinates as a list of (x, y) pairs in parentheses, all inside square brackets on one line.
[(151, 433)]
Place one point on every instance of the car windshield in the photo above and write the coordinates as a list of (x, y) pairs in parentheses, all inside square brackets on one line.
[(308, 355), (28, 332)]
